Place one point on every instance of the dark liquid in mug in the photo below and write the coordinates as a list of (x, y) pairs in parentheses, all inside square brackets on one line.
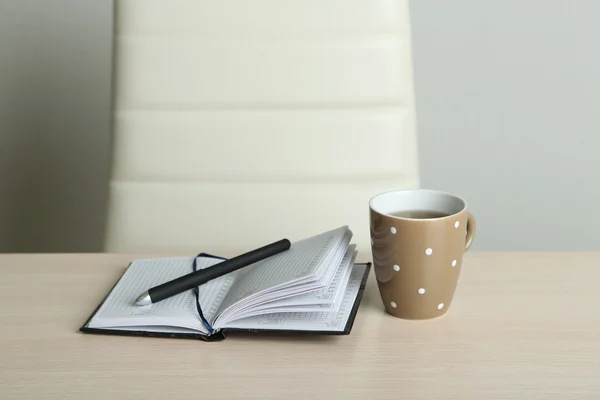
[(419, 214)]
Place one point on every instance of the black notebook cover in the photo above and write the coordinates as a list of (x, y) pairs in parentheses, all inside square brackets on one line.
[(222, 334)]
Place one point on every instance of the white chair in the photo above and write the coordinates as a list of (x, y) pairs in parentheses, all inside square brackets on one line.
[(238, 123)]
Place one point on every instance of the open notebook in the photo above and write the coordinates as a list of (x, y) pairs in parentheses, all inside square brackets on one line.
[(314, 287)]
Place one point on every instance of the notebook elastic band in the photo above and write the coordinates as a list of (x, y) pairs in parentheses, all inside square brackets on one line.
[(197, 294)]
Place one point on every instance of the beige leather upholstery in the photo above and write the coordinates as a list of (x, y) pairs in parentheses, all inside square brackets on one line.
[(241, 122)]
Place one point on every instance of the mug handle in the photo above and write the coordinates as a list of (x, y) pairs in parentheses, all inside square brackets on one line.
[(471, 228)]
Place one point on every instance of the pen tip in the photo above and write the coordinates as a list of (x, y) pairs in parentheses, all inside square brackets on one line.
[(143, 300)]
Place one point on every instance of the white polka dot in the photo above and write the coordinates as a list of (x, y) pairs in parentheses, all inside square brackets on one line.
[(393, 304), (454, 263), (429, 251), (456, 224), (421, 291), (393, 230), (396, 268), (440, 306)]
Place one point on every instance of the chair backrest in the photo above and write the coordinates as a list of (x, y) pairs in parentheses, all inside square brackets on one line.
[(237, 123)]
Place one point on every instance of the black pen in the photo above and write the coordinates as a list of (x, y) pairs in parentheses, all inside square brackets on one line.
[(202, 276)]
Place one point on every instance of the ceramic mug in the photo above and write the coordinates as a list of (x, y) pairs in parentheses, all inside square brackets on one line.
[(418, 238)]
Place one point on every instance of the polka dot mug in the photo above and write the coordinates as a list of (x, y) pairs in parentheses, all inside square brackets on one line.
[(418, 238)]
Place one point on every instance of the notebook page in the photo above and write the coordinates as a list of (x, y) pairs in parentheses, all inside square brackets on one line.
[(334, 293), (299, 297), (120, 310), (252, 311), (309, 321), (243, 307), (337, 301), (212, 293), (301, 261), (326, 295), (336, 257), (310, 293), (328, 299)]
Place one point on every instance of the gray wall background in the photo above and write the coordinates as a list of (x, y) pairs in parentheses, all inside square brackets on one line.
[(507, 108), (508, 112), (55, 61)]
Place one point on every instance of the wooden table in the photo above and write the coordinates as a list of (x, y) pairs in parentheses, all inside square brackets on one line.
[(523, 326)]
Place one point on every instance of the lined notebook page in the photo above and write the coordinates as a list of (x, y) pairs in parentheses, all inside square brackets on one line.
[(325, 296), (309, 321), (327, 273), (301, 261), (328, 299), (212, 294), (120, 309)]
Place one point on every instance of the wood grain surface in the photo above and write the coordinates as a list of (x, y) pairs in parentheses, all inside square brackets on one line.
[(522, 326)]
